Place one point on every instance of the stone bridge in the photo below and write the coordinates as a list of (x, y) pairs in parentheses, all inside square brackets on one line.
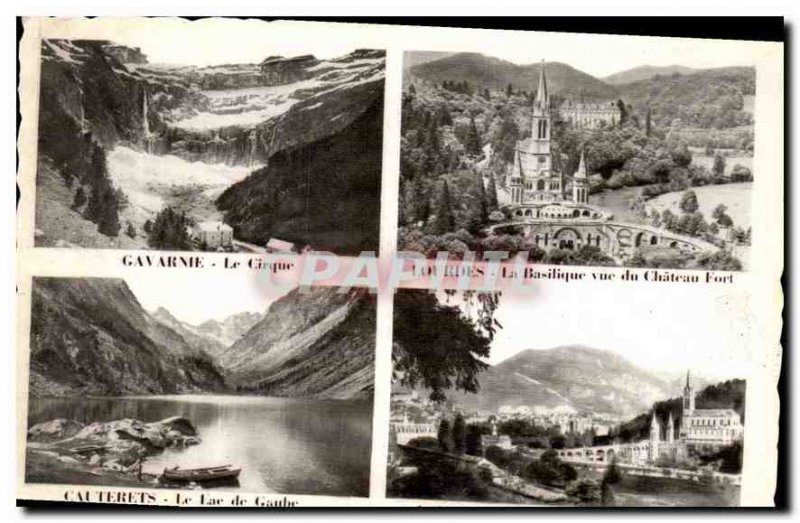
[(639, 452), (617, 239)]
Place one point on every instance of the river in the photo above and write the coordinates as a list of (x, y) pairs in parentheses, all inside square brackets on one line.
[(292, 446)]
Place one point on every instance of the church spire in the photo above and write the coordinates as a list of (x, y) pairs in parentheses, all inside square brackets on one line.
[(581, 172), (687, 378), (542, 99)]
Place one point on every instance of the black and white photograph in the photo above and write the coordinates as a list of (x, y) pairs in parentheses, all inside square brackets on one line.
[(643, 166), (141, 383), (153, 147), (548, 402)]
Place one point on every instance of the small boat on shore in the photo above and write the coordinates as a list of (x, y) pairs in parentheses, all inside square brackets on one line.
[(200, 475)]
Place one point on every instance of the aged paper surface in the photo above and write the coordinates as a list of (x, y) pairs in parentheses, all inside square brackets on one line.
[(592, 248)]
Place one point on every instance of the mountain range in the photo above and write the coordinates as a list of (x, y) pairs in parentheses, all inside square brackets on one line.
[(633, 85), (90, 336), (581, 378)]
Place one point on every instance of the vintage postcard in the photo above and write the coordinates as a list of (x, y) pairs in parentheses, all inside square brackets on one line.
[(546, 403), (362, 265), (645, 167), (133, 153), (149, 382)]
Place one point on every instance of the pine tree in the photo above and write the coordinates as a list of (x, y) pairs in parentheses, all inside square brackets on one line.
[(412, 90), (444, 221), (80, 198), (647, 123), (130, 231), (472, 139), (459, 434), (420, 202), (719, 165), (491, 196), (444, 436)]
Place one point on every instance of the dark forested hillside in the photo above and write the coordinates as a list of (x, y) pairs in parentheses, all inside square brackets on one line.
[(708, 99), (325, 194)]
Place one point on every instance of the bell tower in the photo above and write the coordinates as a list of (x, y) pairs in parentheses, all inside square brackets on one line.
[(580, 189)]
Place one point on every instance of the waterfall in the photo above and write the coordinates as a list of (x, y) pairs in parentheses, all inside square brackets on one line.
[(145, 123), (148, 138), (253, 145)]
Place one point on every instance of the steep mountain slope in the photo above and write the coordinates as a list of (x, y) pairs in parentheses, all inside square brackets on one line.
[(319, 344), (645, 72), (192, 335), (91, 336), (494, 73), (582, 378), (326, 193), (231, 328)]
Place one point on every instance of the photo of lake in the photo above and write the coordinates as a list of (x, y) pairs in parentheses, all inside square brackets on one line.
[(283, 445)]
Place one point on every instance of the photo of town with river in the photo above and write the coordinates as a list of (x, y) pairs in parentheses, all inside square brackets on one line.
[(647, 167), (134, 153), (131, 384), (487, 408)]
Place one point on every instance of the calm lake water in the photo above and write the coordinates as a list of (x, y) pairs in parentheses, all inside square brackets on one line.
[(283, 445)]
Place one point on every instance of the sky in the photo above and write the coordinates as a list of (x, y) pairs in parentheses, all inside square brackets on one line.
[(663, 327), (207, 42), (195, 299)]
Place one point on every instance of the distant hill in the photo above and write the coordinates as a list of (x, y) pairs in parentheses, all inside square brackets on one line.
[(193, 336), (494, 73), (229, 330), (585, 379), (412, 58), (645, 72)]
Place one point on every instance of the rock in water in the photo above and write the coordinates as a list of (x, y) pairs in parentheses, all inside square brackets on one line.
[(53, 430), (180, 424)]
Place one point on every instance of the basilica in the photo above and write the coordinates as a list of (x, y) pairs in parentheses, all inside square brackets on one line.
[(538, 187), (552, 209)]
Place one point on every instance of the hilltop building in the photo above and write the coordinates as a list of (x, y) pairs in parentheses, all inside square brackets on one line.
[(590, 115)]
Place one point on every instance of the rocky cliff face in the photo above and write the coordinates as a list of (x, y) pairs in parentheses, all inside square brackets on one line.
[(319, 344), (326, 193), (91, 336), (584, 379)]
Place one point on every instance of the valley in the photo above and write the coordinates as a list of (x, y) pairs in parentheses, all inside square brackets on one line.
[(158, 137)]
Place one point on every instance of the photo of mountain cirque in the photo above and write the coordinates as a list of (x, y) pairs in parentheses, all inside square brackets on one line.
[(646, 167), (124, 391), (280, 155), (486, 407)]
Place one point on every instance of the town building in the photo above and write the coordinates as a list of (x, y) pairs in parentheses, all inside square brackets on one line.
[(704, 427), (590, 115), (496, 440), (212, 235)]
